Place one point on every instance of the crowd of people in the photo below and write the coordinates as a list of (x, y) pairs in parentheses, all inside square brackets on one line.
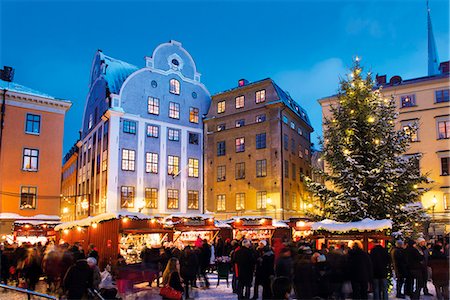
[(283, 269)]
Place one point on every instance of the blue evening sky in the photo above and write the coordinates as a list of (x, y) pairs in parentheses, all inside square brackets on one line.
[(303, 45)]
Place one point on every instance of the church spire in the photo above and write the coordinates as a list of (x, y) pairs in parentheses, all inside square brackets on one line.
[(433, 59)]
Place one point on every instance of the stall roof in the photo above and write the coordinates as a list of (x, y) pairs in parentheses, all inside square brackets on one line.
[(13, 216), (279, 224), (232, 219), (363, 225)]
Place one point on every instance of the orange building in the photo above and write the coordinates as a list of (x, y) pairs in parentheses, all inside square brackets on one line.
[(30, 155)]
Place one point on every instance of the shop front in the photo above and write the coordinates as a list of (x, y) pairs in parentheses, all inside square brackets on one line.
[(252, 228), (32, 232), (300, 228), (187, 230)]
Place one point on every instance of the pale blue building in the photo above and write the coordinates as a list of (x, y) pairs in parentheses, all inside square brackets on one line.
[(141, 139)]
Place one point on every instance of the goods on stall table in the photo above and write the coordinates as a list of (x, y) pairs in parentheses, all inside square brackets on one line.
[(131, 245), (254, 234), (189, 237)]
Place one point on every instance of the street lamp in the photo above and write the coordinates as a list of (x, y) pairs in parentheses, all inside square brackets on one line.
[(269, 201), (433, 207)]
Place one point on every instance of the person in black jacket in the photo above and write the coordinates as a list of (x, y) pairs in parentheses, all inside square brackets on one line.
[(360, 270), (264, 270), (204, 260), (245, 262), (381, 264), (284, 265), (78, 280), (171, 275), (414, 281), (305, 276), (398, 258), (189, 266)]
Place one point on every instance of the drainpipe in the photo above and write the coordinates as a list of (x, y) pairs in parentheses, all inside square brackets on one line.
[(2, 120)]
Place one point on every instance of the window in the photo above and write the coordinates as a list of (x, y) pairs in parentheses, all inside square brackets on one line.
[(240, 201), (260, 96), (442, 96), (152, 131), (260, 118), (174, 135), (306, 153), (240, 144), (172, 165), (299, 130), (172, 199), (444, 129), (286, 169), (292, 125), (128, 157), (151, 198), (221, 205), (240, 123), (221, 148), (153, 106), (221, 173), (193, 114), (240, 170), (221, 127), (293, 146), (28, 195), (30, 159), (285, 119), (240, 101), (286, 142), (33, 124), (193, 138), (261, 200), (174, 110), (91, 121), (446, 200), (174, 87), (287, 200), (408, 100), (261, 141), (151, 162), (408, 129), (261, 168), (445, 166), (294, 172), (221, 107), (294, 201), (192, 200), (129, 126), (127, 197), (193, 167)]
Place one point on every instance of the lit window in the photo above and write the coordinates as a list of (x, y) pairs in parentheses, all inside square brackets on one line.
[(152, 131), (240, 201), (221, 127), (128, 157), (172, 165), (192, 200), (151, 162), (300, 151), (221, 148), (153, 106), (174, 110), (221, 107), (442, 96), (445, 166), (193, 115), (129, 126), (221, 173), (151, 197), (193, 167), (33, 124), (294, 201), (240, 170), (30, 159), (28, 195), (261, 168), (286, 169), (261, 141), (174, 87), (446, 200), (299, 131), (193, 138), (261, 200), (240, 101), (408, 100), (292, 125), (172, 199), (444, 129), (240, 123), (221, 205), (240, 144), (285, 120), (174, 135), (287, 200), (260, 118), (127, 197), (260, 96)]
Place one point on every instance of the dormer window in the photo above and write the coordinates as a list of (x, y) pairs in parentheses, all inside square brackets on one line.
[(174, 87)]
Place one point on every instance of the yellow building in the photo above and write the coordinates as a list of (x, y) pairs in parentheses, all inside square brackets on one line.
[(423, 100)]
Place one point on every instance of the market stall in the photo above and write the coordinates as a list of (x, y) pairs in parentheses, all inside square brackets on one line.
[(253, 228), (187, 229), (331, 233), (300, 228), (32, 231)]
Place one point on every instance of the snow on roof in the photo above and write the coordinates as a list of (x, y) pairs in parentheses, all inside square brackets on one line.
[(103, 217), (116, 72), (18, 88), (221, 224), (363, 225), (279, 224), (37, 222), (13, 216), (192, 215)]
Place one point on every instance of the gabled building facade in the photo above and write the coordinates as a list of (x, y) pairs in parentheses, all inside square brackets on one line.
[(257, 147), (142, 132)]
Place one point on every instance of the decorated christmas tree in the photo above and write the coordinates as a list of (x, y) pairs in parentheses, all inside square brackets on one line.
[(367, 172)]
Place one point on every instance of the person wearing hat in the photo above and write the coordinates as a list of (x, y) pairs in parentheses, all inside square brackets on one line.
[(245, 263), (415, 280), (264, 270), (422, 247), (400, 267)]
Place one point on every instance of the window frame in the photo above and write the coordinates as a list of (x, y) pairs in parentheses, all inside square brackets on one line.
[(173, 164), (129, 161), (174, 110), (240, 144), (221, 107), (173, 134), (442, 96), (194, 138), (261, 168), (447, 158), (30, 158), (193, 200), (26, 196), (446, 127), (221, 170), (404, 103), (261, 200), (239, 102), (260, 118), (221, 202), (33, 122), (124, 195), (150, 164), (240, 201), (174, 86), (221, 148), (193, 114), (129, 126), (152, 131), (151, 198), (261, 97), (239, 171), (261, 141), (173, 199), (239, 123), (153, 107), (193, 167)]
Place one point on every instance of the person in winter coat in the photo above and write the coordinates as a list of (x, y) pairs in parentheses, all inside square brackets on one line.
[(189, 266), (171, 275), (32, 269), (245, 264), (337, 262), (78, 279), (284, 264), (205, 259), (322, 270), (360, 270), (264, 271), (93, 252), (381, 265), (423, 249), (398, 258), (415, 280), (96, 276), (440, 272), (305, 277)]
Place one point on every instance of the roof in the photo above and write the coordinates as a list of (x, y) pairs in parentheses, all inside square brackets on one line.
[(363, 225), (116, 72), (18, 88)]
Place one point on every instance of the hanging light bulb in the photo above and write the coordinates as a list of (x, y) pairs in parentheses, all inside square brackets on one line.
[(346, 151), (376, 141), (370, 119)]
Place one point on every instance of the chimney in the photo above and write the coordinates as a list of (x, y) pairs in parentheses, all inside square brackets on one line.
[(444, 67), (380, 79), (242, 82), (395, 80), (7, 74)]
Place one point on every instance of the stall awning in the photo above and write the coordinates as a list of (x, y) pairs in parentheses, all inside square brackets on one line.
[(195, 228), (361, 226), (145, 230)]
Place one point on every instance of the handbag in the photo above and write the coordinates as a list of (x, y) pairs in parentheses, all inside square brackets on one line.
[(169, 292)]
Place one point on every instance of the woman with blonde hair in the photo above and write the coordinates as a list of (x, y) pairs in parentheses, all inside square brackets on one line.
[(171, 275)]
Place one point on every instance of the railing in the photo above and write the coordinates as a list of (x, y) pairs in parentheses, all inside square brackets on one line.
[(28, 292)]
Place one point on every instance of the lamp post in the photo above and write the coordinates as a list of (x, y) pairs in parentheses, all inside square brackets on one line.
[(269, 201), (433, 219)]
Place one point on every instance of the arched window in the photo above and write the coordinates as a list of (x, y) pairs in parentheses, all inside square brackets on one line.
[(174, 87)]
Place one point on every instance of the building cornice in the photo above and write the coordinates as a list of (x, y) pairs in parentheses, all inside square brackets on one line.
[(21, 99)]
